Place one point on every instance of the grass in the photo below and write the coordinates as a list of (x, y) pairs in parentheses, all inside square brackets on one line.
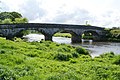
[(51, 61), (67, 35)]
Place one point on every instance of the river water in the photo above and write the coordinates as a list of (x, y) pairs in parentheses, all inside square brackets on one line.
[(95, 48)]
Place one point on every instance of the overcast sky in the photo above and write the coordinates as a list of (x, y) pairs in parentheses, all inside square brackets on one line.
[(105, 13)]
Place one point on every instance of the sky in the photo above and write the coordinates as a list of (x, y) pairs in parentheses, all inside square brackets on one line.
[(103, 13)]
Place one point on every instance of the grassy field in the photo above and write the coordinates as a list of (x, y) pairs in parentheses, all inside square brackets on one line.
[(51, 61), (68, 35)]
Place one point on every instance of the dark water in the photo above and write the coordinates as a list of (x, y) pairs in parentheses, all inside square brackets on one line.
[(96, 48)]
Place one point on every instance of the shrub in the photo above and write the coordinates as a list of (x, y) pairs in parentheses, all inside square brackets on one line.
[(2, 51), (107, 55), (72, 61), (26, 78), (63, 49), (80, 50), (32, 54), (55, 77), (63, 56), (117, 60), (75, 54), (6, 74)]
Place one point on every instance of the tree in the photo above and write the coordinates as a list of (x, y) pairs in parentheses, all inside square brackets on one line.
[(7, 21), (6, 15), (16, 15), (12, 17), (21, 20)]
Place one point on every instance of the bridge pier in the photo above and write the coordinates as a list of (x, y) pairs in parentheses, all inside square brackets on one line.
[(48, 37), (76, 39), (11, 30), (9, 37)]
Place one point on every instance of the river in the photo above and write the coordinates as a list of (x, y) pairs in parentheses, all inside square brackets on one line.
[(95, 48)]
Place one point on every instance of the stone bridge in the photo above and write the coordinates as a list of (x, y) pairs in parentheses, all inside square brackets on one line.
[(48, 30)]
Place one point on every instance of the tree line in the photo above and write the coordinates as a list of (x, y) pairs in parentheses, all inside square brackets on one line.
[(12, 17)]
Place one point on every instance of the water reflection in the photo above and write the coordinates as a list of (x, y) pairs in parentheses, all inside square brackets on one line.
[(88, 41), (33, 37), (96, 48)]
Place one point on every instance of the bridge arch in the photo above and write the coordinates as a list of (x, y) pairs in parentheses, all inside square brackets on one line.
[(74, 36), (48, 30), (38, 33), (91, 35), (23, 32)]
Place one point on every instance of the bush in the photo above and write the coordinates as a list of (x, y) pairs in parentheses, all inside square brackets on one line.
[(75, 54), (117, 60), (6, 74), (32, 54), (107, 55), (72, 61), (2, 51), (63, 57), (80, 50), (63, 49)]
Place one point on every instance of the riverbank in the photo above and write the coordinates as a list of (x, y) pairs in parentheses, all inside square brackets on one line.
[(96, 48), (51, 61)]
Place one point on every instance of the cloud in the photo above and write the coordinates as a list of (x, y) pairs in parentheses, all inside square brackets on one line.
[(32, 10), (97, 12), (3, 6), (76, 16), (108, 19)]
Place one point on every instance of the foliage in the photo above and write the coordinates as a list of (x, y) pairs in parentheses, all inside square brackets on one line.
[(21, 20), (6, 15), (7, 21), (87, 35), (12, 17), (63, 57), (16, 15), (113, 34), (81, 50), (51, 61), (67, 35)]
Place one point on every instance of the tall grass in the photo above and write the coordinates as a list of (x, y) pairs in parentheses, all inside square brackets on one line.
[(51, 61)]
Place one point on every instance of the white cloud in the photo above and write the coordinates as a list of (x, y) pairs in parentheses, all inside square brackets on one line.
[(32, 10), (3, 6), (97, 12)]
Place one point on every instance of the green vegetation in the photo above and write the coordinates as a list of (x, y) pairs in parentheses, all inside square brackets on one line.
[(47, 60), (67, 35), (87, 36), (12, 17), (113, 34), (51, 61)]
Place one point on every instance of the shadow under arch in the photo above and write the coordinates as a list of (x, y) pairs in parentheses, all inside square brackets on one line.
[(25, 33), (91, 34), (74, 37)]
